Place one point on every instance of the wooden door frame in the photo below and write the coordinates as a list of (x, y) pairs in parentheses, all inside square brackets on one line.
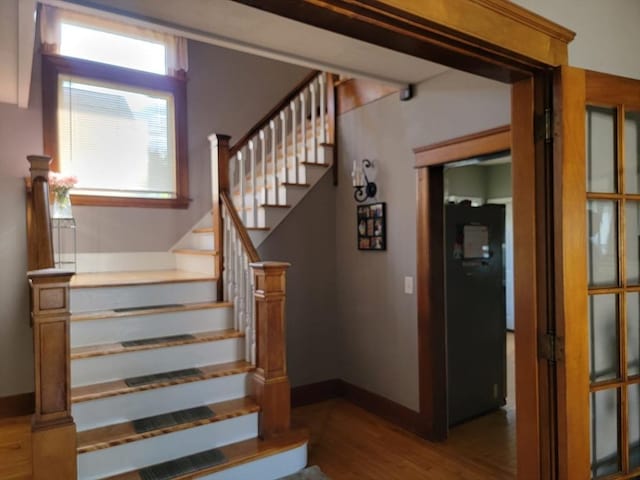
[(500, 40), (533, 444)]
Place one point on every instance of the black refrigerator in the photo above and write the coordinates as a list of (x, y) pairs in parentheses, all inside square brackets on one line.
[(475, 310)]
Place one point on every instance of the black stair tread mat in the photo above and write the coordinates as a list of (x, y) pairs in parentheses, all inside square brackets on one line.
[(165, 420), (184, 465), (162, 377), (151, 341), (148, 307)]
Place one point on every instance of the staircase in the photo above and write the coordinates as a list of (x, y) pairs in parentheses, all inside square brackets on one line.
[(180, 373), (158, 373)]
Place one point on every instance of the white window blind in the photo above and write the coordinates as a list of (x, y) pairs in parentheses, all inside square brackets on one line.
[(118, 140)]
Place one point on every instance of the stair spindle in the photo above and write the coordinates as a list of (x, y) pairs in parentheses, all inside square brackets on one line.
[(303, 124), (283, 121), (323, 108), (263, 161), (254, 183), (314, 112), (274, 162), (243, 211), (294, 139)]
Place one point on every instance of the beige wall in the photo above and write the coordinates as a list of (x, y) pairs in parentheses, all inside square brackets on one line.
[(306, 239), (377, 322)]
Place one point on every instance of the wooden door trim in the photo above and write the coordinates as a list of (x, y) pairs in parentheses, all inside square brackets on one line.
[(492, 38), (432, 351), (468, 146), (571, 271)]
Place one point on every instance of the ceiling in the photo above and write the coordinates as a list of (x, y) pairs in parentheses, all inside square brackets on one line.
[(220, 22)]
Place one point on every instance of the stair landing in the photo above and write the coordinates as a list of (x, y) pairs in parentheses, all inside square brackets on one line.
[(148, 277)]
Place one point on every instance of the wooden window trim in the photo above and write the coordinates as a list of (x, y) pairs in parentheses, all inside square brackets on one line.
[(54, 65)]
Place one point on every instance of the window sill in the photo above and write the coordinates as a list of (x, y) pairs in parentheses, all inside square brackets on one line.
[(134, 202)]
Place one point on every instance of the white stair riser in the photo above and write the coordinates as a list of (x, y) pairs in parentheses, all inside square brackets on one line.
[(86, 371), (271, 216), (272, 467), (108, 298), (201, 241), (149, 451), (122, 408), (113, 330), (121, 261), (258, 236), (196, 263)]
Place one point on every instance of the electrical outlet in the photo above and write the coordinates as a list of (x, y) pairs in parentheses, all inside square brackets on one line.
[(408, 285)]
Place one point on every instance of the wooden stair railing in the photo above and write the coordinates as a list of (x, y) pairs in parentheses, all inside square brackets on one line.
[(276, 148), (257, 291), (53, 429)]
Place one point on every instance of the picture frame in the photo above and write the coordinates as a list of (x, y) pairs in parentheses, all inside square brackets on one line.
[(371, 228)]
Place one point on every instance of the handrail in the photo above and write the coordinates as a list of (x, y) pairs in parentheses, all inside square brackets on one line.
[(252, 253), (39, 234), (264, 121)]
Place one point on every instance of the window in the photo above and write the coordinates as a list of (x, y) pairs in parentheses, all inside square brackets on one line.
[(113, 116)]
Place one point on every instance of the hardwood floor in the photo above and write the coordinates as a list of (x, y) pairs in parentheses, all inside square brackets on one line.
[(349, 443)]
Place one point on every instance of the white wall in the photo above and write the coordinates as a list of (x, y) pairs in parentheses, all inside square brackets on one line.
[(377, 327), (607, 33)]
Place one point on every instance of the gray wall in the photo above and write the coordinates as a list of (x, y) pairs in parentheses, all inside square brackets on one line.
[(469, 181), (227, 92), (306, 239), (377, 325), (498, 178), (606, 32), (20, 135)]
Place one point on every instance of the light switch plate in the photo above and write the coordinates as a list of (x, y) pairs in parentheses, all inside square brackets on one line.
[(408, 285)]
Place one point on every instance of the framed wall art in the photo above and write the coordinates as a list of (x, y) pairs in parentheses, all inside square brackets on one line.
[(372, 228)]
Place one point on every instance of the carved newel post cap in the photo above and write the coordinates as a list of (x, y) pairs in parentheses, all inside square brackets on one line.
[(40, 165)]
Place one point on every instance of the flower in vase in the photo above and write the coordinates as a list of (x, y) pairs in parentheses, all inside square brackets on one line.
[(60, 185)]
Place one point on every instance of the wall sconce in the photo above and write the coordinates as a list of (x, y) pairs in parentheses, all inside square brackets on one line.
[(363, 187)]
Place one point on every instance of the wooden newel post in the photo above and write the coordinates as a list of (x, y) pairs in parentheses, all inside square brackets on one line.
[(54, 433), (219, 183), (271, 381), (40, 240)]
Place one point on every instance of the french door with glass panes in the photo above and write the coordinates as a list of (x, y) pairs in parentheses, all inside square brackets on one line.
[(597, 259)]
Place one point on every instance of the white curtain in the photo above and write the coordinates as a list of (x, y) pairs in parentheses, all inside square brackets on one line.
[(51, 17)]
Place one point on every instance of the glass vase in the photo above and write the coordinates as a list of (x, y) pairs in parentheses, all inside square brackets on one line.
[(61, 207)]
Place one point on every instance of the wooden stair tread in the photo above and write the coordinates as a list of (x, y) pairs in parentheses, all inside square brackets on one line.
[(203, 230), (119, 387), (99, 315), (148, 277), (115, 348), (194, 251), (241, 452), (121, 433), (258, 229)]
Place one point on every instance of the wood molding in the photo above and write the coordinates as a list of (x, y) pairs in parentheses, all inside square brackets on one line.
[(391, 411), (316, 392), (17, 405), (492, 38), (54, 65), (468, 146), (247, 244), (357, 92), (432, 349)]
